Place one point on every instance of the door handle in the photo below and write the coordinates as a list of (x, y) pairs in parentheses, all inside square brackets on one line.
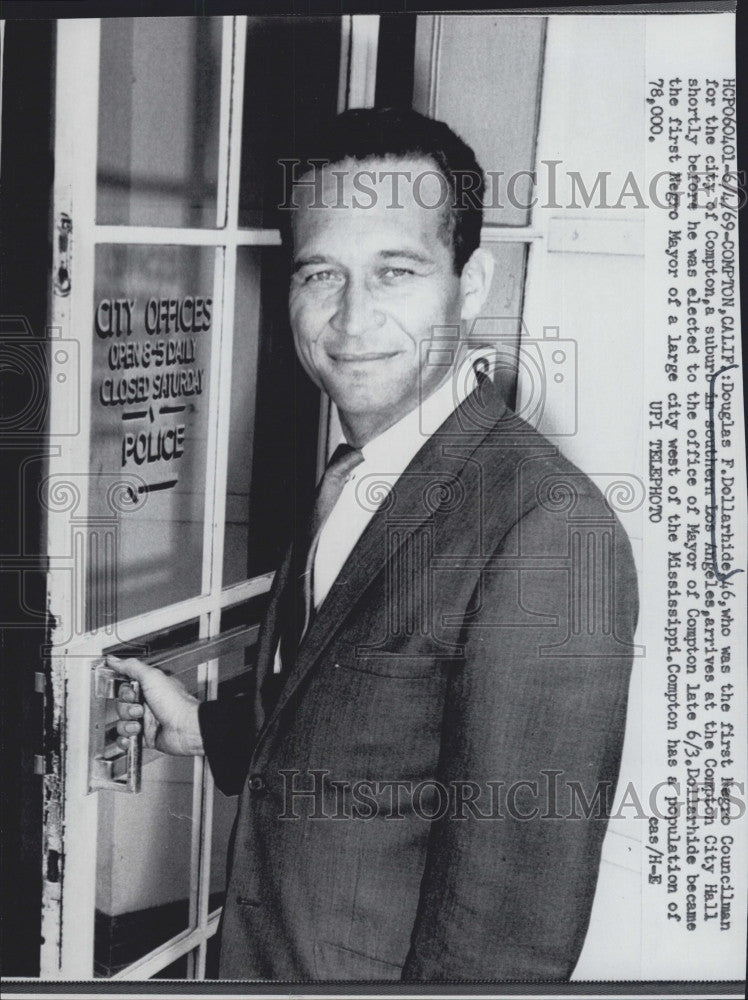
[(110, 766)]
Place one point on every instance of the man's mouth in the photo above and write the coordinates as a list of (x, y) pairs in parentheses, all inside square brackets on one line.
[(363, 358)]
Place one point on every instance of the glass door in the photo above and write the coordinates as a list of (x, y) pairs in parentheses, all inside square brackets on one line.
[(178, 417)]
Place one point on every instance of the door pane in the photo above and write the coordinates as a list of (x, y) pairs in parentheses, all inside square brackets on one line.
[(274, 420), (235, 679), (211, 957), (247, 332), (176, 970), (500, 319), (143, 865), (144, 844), (152, 318), (159, 97), (481, 75), (291, 83)]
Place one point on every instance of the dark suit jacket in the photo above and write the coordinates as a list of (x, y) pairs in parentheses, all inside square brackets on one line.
[(477, 640)]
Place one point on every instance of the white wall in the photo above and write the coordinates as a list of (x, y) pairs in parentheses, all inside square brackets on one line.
[(586, 277)]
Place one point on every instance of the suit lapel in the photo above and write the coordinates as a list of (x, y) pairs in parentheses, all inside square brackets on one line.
[(442, 458)]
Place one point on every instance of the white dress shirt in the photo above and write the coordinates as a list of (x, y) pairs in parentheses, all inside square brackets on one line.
[(385, 458)]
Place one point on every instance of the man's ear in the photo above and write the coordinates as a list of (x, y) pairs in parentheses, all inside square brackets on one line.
[(475, 282)]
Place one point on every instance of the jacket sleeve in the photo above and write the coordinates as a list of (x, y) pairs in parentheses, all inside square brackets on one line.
[(227, 727), (532, 732)]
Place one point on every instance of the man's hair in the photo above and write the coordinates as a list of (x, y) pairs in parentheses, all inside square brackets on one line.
[(389, 133)]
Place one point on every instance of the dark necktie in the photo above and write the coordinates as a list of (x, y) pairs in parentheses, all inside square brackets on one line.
[(301, 603)]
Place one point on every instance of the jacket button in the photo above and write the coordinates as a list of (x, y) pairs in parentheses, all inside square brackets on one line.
[(257, 784)]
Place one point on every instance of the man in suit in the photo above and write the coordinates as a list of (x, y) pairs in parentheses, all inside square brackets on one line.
[(427, 767)]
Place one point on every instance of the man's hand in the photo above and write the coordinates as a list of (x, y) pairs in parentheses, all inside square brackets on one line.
[(169, 716)]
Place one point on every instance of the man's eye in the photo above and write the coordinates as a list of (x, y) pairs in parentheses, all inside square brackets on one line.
[(322, 277), (394, 273)]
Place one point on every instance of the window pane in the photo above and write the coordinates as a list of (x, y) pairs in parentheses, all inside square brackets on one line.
[(159, 96), (291, 81), (500, 317), (177, 969), (144, 842), (143, 865), (152, 317), (144, 845), (211, 957), (224, 814), (395, 60), (481, 74), (235, 679), (274, 420), (243, 396)]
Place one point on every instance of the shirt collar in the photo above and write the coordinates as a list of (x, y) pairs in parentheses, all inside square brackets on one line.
[(393, 449)]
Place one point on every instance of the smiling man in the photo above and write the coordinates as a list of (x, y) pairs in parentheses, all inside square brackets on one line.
[(373, 283), (427, 767)]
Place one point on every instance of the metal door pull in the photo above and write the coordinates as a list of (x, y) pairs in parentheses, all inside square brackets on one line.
[(109, 766)]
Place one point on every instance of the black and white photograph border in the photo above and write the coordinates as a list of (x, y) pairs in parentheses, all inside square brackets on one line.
[(485, 684)]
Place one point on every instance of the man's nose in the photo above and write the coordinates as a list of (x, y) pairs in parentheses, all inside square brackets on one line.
[(357, 313)]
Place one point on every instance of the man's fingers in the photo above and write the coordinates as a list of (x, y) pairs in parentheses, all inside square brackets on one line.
[(134, 717), (125, 728), (151, 728), (127, 704), (126, 693), (130, 667), (128, 710)]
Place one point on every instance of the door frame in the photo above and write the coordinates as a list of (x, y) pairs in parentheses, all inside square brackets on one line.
[(70, 811)]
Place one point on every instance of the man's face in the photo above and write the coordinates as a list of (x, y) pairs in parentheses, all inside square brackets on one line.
[(370, 284)]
